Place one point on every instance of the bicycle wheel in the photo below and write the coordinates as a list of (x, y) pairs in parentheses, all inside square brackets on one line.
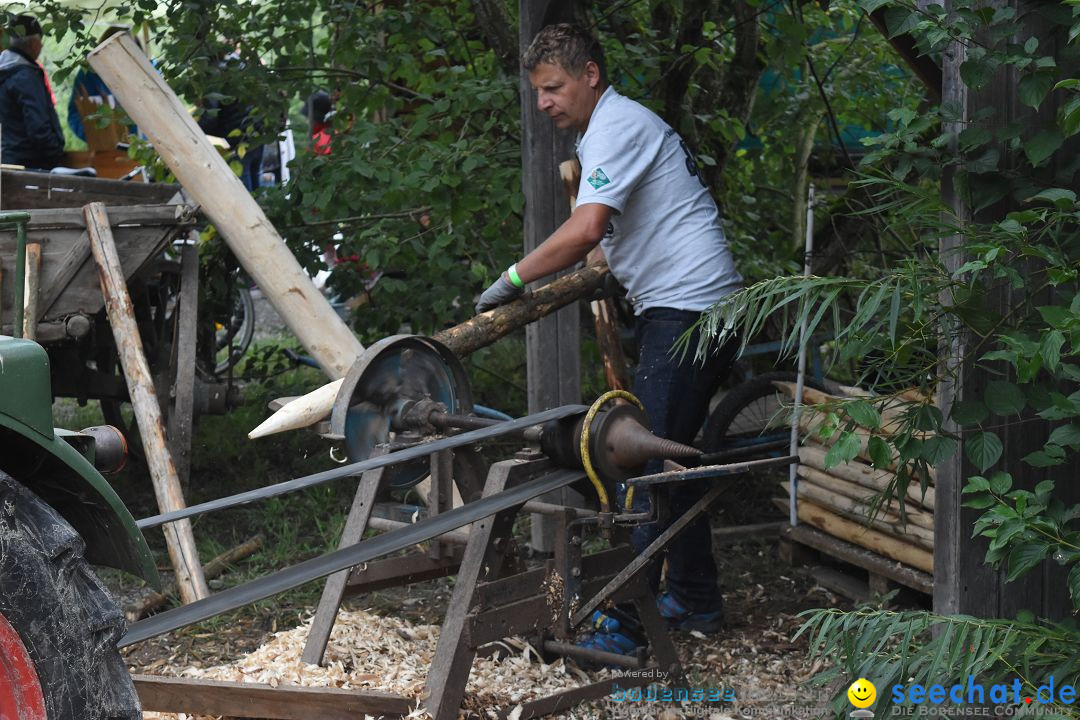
[(751, 413), (232, 338)]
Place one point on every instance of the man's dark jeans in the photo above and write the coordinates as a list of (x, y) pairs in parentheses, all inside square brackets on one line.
[(675, 391)]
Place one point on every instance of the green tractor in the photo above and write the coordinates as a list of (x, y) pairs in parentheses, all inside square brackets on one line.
[(58, 515)]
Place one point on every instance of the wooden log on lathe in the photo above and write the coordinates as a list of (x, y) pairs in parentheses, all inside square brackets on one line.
[(206, 176), (865, 475), (852, 531), (487, 327), (473, 334)]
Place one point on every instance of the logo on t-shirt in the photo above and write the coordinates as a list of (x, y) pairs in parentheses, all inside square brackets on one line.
[(598, 179)]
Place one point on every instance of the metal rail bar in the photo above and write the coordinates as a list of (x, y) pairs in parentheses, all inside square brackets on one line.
[(595, 656), (344, 558), (711, 471), (412, 453)]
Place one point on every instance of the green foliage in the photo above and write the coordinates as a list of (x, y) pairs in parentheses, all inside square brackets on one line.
[(1019, 239), (906, 648), (421, 191)]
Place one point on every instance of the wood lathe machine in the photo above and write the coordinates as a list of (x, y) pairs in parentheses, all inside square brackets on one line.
[(403, 413)]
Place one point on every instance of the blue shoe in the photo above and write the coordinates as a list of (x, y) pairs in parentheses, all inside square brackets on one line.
[(679, 617), (604, 623), (609, 642)]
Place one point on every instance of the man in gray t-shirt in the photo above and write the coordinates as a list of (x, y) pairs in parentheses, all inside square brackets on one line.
[(643, 202)]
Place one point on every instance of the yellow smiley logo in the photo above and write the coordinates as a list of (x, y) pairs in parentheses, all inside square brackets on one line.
[(862, 693)]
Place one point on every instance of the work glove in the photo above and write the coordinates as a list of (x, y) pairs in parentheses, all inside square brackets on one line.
[(501, 292)]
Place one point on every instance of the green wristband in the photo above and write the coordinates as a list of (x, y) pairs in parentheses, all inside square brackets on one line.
[(515, 279)]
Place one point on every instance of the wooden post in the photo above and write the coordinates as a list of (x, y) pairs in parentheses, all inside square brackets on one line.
[(963, 582), (207, 178), (31, 289), (178, 535), (182, 417), (553, 343)]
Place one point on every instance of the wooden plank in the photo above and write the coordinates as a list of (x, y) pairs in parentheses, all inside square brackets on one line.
[(557, 702), (860, 557), (182, 416), (73, 260), (398, 571), (31, 289), (70, 218), (450, 668), (206, 176), (178, 535), (31, 190), (251, 700), (964, 583), (841, 583)]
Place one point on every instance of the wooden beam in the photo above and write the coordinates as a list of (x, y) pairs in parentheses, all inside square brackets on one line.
[(182, 415), (251, 700), (208, 179), (140, 383), (850, 530), (32, 191), (858, 556), (553, 343)]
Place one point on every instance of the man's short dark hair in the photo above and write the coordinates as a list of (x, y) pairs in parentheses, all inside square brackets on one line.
[(568, 46), (23, 26)]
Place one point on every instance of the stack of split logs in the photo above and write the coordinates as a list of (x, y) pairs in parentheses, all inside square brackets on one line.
[(838, 500)]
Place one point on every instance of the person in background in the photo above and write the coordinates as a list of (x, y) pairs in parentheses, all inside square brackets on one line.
[(223, 120), (643, 202), (319, 109), (30, 133), (88, 84)]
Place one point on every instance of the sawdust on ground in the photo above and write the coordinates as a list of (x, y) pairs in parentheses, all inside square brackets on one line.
[(753, 660)]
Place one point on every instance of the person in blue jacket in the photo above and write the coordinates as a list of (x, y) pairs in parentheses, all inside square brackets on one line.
[(31, 134), (88, 83)]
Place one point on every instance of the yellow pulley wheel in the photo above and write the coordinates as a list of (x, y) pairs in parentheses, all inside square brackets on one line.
[(583, 447)]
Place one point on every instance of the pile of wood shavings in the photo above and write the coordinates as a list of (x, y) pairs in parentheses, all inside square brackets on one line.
[(392, 655)]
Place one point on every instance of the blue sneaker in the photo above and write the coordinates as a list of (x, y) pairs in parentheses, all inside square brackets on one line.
[(679, 617), (612, 642), (604, 623)]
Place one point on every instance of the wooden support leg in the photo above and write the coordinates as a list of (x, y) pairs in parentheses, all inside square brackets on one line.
[(178, 535), (663, 650), (182, 417), (488, 539), (440, 495), (334, 590)]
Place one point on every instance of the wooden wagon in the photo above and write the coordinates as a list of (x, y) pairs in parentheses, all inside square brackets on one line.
[(63, 292)]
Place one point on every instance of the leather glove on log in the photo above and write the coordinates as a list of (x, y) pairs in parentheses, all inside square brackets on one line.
[(501, 292)]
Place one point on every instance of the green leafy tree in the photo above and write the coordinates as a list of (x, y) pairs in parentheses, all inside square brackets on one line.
[(1020, 235)]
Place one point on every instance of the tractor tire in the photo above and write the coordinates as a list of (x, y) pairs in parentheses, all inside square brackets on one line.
[(65, 623), (749, 413)]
